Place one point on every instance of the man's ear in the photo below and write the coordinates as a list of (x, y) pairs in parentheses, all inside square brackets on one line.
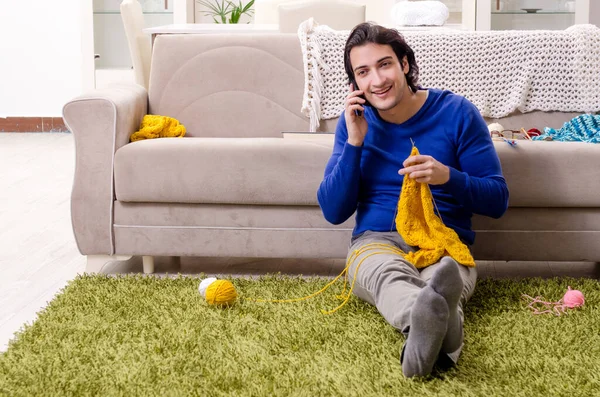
[(405, 65)]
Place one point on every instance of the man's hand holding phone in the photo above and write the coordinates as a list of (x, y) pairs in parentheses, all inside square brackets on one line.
[(355, 121)]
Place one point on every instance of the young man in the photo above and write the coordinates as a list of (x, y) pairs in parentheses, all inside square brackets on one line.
[(384, 113)]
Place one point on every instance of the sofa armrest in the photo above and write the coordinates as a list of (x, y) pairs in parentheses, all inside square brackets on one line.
[(101, 122)]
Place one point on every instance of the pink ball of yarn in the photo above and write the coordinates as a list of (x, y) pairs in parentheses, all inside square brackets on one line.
[(573, 298)]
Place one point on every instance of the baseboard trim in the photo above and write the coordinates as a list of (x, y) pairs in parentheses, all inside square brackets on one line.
[(32, 124)]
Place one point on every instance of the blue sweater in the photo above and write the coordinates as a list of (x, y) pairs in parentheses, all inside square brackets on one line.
[(449, 128)]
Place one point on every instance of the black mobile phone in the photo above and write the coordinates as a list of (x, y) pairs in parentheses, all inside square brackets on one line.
[(358, 112)]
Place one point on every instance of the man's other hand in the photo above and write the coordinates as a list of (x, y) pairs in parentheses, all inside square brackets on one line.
[(425, 169)]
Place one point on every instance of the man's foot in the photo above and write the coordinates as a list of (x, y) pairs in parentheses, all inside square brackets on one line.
[(447, 282), (428, 324)]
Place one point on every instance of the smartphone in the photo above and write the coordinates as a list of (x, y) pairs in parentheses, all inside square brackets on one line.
[(358, 112)]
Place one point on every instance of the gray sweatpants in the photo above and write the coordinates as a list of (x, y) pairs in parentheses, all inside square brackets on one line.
[(390, 283)]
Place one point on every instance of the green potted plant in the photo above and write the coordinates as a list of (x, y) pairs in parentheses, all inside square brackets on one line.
[(226, 11)]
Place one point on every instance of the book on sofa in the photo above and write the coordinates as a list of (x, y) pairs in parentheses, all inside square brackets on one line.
[(311, 136)]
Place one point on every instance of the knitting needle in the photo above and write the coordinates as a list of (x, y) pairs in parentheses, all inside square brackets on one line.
[(526, 134), (399, 194)]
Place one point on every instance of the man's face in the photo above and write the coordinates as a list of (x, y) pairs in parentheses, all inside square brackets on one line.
[(380, 75)]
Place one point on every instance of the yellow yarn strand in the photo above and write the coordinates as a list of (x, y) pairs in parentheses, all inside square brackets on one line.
[(383, 248), (367, 247)]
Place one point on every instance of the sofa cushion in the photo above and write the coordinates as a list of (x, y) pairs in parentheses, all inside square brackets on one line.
[(268, 171), (245, 80), (551, 174), (276, 171)]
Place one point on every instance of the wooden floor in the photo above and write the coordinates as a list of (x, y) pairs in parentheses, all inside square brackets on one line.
[(39, 255), (36, 242)]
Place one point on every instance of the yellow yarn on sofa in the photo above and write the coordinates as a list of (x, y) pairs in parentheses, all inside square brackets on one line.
[(154, 126), (419, 226)]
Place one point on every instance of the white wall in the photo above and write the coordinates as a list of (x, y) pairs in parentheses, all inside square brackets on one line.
[(181, 16), (41, 66), (379, 11)]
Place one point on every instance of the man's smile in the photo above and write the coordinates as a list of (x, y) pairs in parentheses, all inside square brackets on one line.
[(382, 92)]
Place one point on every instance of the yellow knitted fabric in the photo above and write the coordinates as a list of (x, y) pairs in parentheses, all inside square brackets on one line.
[(154, 126), (419, 226)]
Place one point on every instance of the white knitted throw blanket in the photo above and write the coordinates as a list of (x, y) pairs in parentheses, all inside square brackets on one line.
[(498, 71)]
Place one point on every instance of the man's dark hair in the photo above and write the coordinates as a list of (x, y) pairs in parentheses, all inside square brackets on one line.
[(370, 33)]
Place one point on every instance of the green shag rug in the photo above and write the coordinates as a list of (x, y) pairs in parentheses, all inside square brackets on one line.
[(150, 336)]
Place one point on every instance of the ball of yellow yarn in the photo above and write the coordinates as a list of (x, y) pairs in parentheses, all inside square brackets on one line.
[(221, 293)]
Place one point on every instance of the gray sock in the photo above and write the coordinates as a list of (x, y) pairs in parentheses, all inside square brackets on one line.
[(428, 324), (447, 282)]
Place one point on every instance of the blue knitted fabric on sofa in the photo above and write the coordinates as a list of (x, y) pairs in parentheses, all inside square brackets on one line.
[(584, 128)]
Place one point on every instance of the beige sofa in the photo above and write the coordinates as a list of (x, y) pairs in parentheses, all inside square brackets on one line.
[(236, 187)]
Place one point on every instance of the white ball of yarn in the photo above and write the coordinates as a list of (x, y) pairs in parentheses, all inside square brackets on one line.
[(495, 127), (204, 285)]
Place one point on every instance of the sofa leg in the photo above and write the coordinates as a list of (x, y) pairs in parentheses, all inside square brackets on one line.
[(148, 262), (95, 263)]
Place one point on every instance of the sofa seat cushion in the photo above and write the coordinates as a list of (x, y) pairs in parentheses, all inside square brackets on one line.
[(551, 174), (261, 171), (278, 171)]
